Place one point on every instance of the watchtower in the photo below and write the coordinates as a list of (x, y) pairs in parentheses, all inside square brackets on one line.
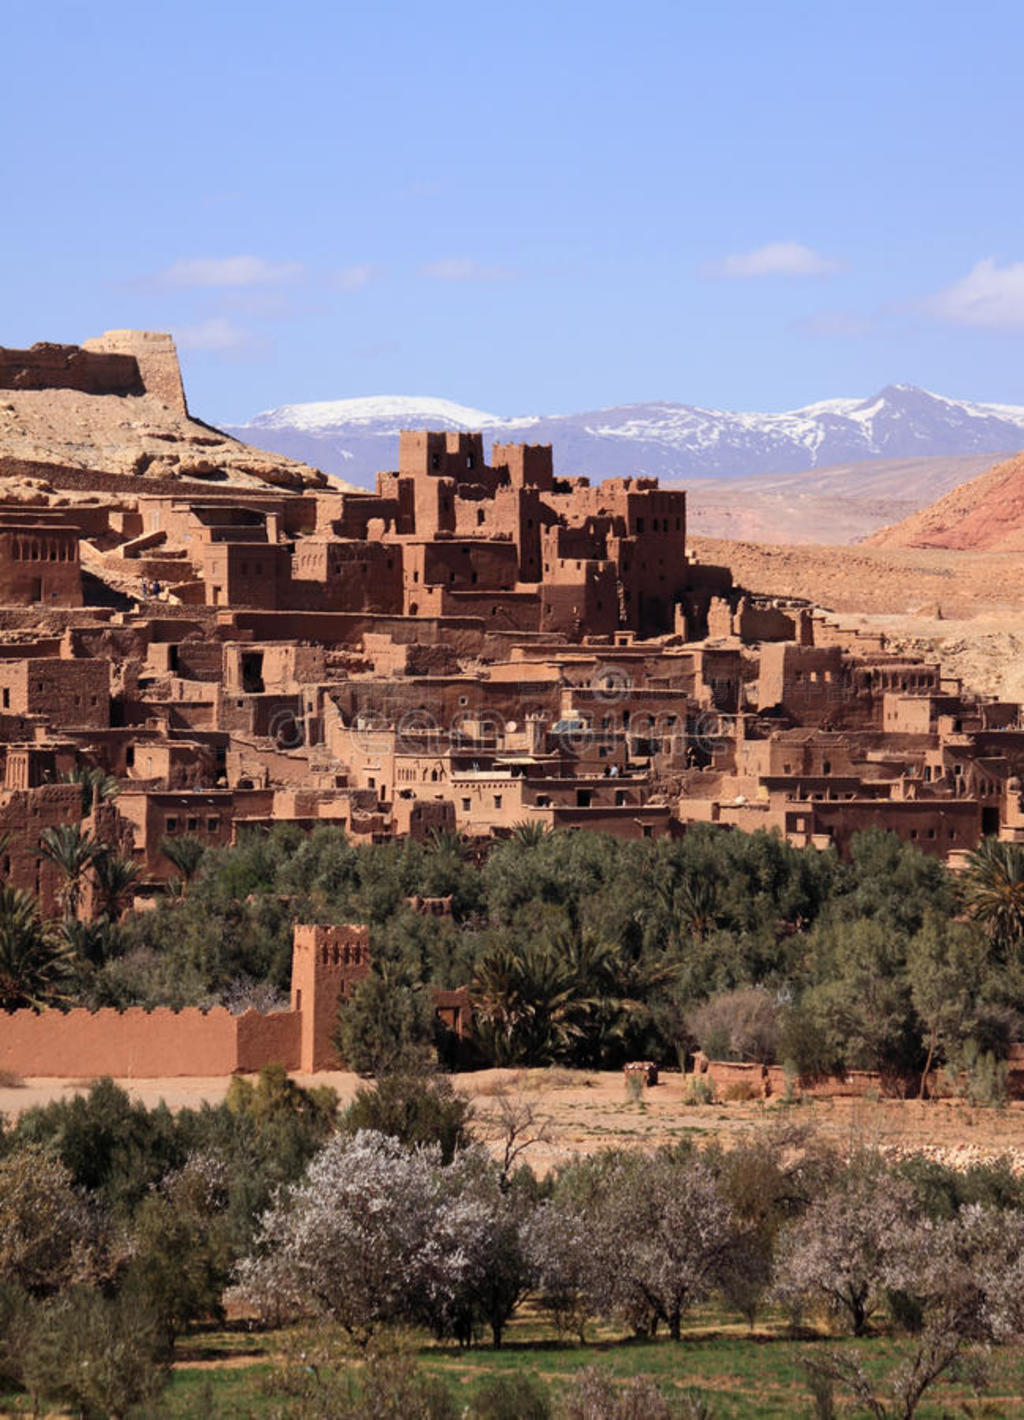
[(327, 964)]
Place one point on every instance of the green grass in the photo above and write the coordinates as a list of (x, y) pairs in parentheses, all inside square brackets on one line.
[(745, 1376)]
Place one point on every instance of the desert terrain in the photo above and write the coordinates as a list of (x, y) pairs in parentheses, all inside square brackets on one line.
[(580, 1112)]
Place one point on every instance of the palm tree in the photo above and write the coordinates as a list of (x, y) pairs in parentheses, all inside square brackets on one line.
[(91, 779), (93, 942), (116, 876), (186, 853), (527, 1003), (33, 963), (993, 886), (73, 851), (529, 833)]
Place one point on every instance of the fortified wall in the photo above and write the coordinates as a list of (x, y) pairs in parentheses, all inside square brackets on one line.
[(327, 962)]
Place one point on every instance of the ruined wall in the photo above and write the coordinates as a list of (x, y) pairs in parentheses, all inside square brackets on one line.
[(155, 357), (46, 366)]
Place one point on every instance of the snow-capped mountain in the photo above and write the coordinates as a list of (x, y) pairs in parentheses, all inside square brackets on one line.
[(353, 438)]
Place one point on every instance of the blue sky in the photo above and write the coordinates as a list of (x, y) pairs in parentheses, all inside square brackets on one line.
[(529, 207)]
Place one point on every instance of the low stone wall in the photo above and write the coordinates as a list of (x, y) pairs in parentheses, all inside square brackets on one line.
[(139, 1044), (746, 1080)]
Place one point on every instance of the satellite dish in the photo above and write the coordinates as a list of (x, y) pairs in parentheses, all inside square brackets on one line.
[(511, 727)]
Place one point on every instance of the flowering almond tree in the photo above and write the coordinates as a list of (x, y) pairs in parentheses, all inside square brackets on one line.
[(839, 1252), (372, 1237)]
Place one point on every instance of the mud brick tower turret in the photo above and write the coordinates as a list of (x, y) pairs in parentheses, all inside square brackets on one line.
[(327, 963)]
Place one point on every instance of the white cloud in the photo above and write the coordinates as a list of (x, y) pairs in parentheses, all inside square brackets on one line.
[(775, 259), (465, 268), (230, 271), (989, 295), (217, 333), (354, 278)]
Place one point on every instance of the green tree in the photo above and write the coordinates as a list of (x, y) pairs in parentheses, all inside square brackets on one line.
[(34, 964), (73, 851), (993, 888), (97, 1354), (527, 1004), (946, 964), (116, 877), (415, 1110), (92, 780), (186, 853), (181, 1248), (387, 1023)]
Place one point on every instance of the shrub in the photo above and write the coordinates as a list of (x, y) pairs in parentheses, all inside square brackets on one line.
[(511, 1397), (737, 1025), (699, 1090), (96, 1354), (413, 1110)]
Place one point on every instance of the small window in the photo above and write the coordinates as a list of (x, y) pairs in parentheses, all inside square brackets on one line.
[(465, 806), (7, 698), (171, 823), (191, 823), (497, 801)]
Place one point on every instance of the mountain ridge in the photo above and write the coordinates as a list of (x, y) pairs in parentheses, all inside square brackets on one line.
[(354, 438)]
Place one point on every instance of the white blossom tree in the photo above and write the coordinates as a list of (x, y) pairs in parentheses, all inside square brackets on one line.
[(662, 1231), (496, 1270), (840, 1251), (374, 1235), (560, 1246), (960, 1280)]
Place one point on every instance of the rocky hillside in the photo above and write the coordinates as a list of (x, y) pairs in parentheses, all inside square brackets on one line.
[(115, 405), (986, 514)]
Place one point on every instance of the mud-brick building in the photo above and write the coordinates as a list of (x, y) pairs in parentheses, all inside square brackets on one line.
[(39, 559)]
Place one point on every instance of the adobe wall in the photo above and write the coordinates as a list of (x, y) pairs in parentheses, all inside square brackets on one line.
[(268, 1039), (39, 566), (140, 1044), (46, 366), (772, 1081), (132, 1044), (154, 356)]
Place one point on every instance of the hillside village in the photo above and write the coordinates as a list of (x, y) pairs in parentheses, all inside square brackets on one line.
[(475, 645)]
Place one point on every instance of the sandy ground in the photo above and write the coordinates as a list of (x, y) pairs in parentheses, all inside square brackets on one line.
[(578, 1112)]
